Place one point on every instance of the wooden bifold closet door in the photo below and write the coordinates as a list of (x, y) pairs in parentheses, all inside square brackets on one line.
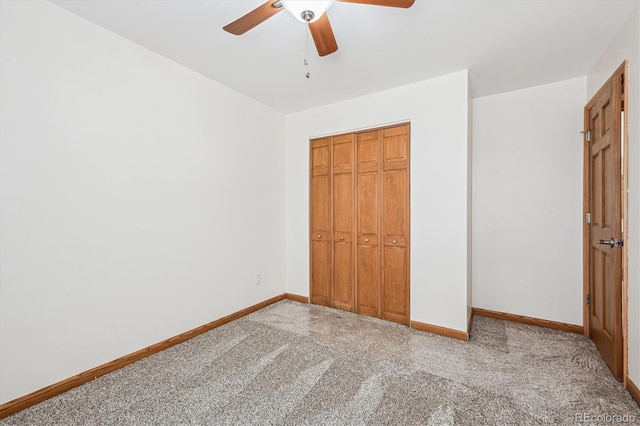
[(321, 230), (342, 197), (368, 223), (359, 207)]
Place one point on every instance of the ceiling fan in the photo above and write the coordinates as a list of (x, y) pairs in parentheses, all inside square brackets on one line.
[(311, 12)]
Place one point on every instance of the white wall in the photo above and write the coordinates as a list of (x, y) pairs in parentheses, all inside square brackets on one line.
[(527, 201), (626, 45), (437, 110), (138, 198)]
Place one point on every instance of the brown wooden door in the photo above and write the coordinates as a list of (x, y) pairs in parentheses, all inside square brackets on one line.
[(395, 224), (321, 232), (602, 119), (368, 212), (343, 223)]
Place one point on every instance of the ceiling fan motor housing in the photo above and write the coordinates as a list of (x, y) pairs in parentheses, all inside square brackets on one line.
[(307, 11), (307, 15)]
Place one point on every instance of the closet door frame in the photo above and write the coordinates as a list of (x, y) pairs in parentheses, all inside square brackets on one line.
[(380, 201)]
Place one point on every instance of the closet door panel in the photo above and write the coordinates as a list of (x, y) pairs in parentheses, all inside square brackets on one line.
[(395, 205), (321, 272), (343, 220), (368, 152), (395, 224), (343, 154), (395, 292), (368, 284), (343, 203), (321, 203), (343, 276), (368, 223), (320, 156), (368, 197), (368, 254), (396, 145), (320, 222)]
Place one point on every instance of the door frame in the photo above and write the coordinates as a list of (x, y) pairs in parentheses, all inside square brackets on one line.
[(621, 72)]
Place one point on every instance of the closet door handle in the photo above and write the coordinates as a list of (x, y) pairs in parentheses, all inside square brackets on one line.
[(319, 236), (342, 238), (394, 242), (366, 240)]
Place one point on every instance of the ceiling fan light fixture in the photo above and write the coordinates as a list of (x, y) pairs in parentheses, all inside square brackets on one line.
[(307, 10)]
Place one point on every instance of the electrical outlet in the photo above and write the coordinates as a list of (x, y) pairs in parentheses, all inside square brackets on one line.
[(258, 279)]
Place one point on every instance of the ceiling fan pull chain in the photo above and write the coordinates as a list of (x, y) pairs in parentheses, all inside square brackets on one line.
[(306, 54)]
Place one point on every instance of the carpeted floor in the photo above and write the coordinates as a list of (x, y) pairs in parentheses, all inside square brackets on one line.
[(292, 363)]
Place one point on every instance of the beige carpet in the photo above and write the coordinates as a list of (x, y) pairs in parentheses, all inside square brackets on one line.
[(292, 363)]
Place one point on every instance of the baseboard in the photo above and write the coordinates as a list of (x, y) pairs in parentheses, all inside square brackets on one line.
[(296, 297), (633, 390), (442, 331), (43, 394), (529, 320)]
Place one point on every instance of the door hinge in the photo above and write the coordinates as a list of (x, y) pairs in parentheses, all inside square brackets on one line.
[(587, 217), (588, 299), (587, 135)]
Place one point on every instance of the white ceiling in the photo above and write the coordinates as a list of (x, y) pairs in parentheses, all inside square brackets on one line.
[(506, 45)]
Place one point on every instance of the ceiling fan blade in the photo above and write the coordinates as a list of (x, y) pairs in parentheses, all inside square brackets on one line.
[(391, 3), (323, 36), (254, 18)]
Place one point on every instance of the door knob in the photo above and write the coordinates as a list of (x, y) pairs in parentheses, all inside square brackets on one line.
[(366, 240), (613, 242), (394, 241), (319, 236), (342, 238)]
